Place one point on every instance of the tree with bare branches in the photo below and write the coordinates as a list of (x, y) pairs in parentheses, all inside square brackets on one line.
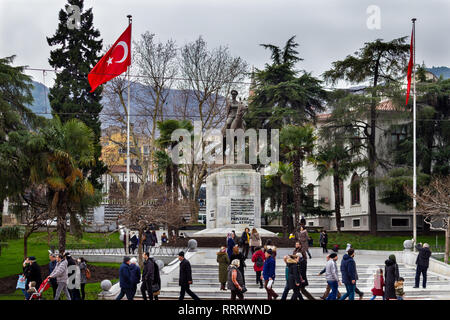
[(434, 203)]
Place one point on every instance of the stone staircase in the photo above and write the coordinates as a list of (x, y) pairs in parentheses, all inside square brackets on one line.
[(206, 285)]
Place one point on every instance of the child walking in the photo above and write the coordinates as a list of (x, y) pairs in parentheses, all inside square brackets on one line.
[(398, 285), (378, 285)]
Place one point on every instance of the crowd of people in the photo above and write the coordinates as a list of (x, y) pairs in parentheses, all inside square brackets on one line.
[(60, 273)]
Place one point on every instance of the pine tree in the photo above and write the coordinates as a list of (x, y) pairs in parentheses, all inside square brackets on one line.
[(78, 50)]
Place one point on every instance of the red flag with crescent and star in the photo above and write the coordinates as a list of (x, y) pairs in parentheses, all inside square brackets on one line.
[(410, 66), (114, 62)]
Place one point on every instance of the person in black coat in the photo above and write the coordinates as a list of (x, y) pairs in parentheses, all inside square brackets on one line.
[(135, 274), (323, 240), (185, 277), (422, 262), (74, 293), (33, 272), (294, 279), (245, 242), (238, 255), (302, 267), (391, 274), (148, 276)]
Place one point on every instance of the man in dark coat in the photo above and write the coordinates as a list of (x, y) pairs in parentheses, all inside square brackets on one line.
[(33, 272), (348, 270), (74, 292), (302, 267), (324, 241), (245, 242), (148, 276), (126, 285), (51, 267), (185, 277), (422, 262)]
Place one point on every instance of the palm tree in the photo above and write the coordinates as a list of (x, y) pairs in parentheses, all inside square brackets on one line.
[(334, 160), (166, 128), (279, 180), (68, 147), (296, 143)]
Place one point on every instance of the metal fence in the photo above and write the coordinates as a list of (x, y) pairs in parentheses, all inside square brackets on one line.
[(83, 249)]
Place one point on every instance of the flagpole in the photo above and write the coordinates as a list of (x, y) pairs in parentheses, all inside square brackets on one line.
[(128, 121), (414, 137)]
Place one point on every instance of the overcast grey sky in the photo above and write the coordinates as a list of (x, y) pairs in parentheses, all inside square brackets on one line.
[(327, 30)]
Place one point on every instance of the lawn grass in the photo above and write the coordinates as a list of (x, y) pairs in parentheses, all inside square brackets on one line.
[(92, 290), (369, 242), (12, 256)]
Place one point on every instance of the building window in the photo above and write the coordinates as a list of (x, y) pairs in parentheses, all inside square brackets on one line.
[(399, 222), (341, 192), (311, 224), (146, 150), (356, 223), (354, 187), (398, 134), (342, 224)]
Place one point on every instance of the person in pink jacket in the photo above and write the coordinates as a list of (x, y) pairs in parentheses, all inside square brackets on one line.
[(258, 260)]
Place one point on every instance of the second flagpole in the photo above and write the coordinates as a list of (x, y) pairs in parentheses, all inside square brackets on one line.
[(414, 137), (128, 119)]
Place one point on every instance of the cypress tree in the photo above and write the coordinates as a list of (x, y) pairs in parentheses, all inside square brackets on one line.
[(77, 49)]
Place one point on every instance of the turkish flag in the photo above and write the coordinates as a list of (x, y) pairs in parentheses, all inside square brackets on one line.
[(114, 62), (410, 66)]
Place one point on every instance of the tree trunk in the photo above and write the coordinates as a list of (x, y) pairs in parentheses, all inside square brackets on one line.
[(175, 181), (373, 156), (447, 243), (337, 202), (285, 210), (61, 227), (25, 244), (297, 189), (140, 249)]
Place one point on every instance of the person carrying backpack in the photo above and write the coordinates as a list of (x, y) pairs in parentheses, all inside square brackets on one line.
[(258, 260)]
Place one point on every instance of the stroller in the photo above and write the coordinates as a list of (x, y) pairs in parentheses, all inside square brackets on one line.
[(45, 285)]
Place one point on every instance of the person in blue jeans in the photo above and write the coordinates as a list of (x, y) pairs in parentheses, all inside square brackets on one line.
[(348, 270), (332, 276)]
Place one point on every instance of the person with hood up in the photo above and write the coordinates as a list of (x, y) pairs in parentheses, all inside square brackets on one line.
[(258, 264), (348, 270), (224, 262), (235, 280), (60, 274), (126, 284), (391, 275), (422, 262)]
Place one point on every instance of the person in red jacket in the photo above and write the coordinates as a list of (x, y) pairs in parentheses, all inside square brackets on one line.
[(258, 260), (378, 285)]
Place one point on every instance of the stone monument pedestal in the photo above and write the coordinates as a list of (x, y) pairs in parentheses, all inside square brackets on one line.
[(233, 202)]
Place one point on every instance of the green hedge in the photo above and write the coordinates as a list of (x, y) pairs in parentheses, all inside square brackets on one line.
[(11, 233)]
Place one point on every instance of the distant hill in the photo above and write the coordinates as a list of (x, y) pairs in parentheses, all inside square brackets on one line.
[(438, 71), (139, 96), (41, 104)]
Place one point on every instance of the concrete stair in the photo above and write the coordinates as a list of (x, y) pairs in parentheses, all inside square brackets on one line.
[(206, 285)]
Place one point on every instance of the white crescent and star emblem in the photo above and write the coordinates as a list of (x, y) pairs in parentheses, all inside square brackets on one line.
[(125, 49)]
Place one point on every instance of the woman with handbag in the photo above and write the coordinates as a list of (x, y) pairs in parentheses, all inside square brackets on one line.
[(255, 240), (85, 274), (235, 282)]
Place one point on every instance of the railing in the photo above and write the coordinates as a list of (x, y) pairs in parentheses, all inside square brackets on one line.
[(108, 249)]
